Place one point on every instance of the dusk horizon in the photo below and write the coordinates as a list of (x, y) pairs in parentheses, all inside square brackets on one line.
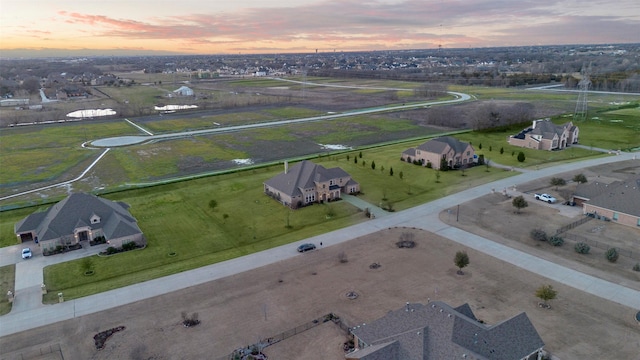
[(308, 26)]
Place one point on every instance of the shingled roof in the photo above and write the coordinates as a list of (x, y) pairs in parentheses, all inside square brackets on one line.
[(623, 197), (438, 331), (303, 175), (75, 211), (438, 145)]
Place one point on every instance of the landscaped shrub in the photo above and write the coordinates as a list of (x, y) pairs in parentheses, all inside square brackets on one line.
[(636, 267), (612, 254), (521, 157), (111, 250), (429, 165), (582, 248), (556, 240), (539, 234), (129, 246)]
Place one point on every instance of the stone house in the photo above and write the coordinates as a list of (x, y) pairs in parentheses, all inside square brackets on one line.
[(455, 152), (80, 217), (545, 135), (306, 183)]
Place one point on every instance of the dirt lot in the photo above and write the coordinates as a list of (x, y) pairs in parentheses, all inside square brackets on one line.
[(240, 310)]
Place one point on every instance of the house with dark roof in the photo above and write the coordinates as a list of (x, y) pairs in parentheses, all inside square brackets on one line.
[(438, 331), (80, 217), (617, 201), (456, 153), (545, 135), (306, 183)]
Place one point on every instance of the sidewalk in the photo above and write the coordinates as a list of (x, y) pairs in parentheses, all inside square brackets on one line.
[(33, 314)]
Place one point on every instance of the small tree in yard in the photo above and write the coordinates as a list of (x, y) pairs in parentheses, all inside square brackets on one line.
[(501, 150), (556, 240), (556, 181), (539, 234), (461, 260), (612, 254), (580, 178), (401, 175), (437, 176), (391, 171), (521, 157), (582, 248), (213, 203), (373, 165), (546, 293), (360, 155), (519, 203), (355, 160)]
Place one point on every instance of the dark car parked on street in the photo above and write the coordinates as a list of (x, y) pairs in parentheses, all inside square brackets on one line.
[(306, 247)]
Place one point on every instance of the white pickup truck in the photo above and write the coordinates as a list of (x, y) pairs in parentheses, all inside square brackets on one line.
[(545, 197)]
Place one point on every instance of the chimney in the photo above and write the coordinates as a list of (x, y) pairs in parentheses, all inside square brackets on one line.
[(286, 166)]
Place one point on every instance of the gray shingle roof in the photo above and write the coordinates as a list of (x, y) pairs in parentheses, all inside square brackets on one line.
[(438, 331), (438, 145), (303, 175), (620, 197), (76, 210)]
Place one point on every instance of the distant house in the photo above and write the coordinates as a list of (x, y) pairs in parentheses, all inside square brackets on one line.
[(306, 183), (545, 135), (437, 331), (617, 201), (455, 152), (80, 217), (183, 91)]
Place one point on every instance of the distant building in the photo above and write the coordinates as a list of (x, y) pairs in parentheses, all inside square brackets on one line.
[(183, 91), (456, 153), (545, 135), (14, 102), (306, 183), (437, 331)]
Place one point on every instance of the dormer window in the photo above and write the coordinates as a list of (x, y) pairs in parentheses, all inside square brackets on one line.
[(94, 219)]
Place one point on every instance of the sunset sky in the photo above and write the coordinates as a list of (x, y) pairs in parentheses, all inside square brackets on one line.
[(267, 26)]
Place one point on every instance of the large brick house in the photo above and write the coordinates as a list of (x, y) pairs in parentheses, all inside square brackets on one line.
[(456, 153), (306, 183), (545, 135), (77, 218), (617, 201), (438, 331)]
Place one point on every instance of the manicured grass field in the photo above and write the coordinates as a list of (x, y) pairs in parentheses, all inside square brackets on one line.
[(177, 218)]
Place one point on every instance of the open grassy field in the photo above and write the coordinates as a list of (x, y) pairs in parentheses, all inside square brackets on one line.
[(37, 153)]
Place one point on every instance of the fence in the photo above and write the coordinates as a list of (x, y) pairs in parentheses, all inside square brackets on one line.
[(573, 224), (54, 351), (238, 354), (600, 245)]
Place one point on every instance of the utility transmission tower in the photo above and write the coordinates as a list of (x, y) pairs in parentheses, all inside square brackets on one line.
[(580, 114)]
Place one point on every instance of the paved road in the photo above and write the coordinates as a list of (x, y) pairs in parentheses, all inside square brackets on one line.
[(34, 314), (133, 140)]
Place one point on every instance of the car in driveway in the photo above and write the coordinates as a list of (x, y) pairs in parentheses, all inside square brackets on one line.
[(306, 247), (545, 197), (26, 253)]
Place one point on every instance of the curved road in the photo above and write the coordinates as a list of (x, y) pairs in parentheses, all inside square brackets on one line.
[(133, 140), (32, 313)]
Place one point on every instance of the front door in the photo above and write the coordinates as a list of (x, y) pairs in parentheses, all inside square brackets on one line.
[(83, 235)]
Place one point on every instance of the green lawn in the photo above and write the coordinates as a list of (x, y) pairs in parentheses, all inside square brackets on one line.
[(177, 218), (7, 283)]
